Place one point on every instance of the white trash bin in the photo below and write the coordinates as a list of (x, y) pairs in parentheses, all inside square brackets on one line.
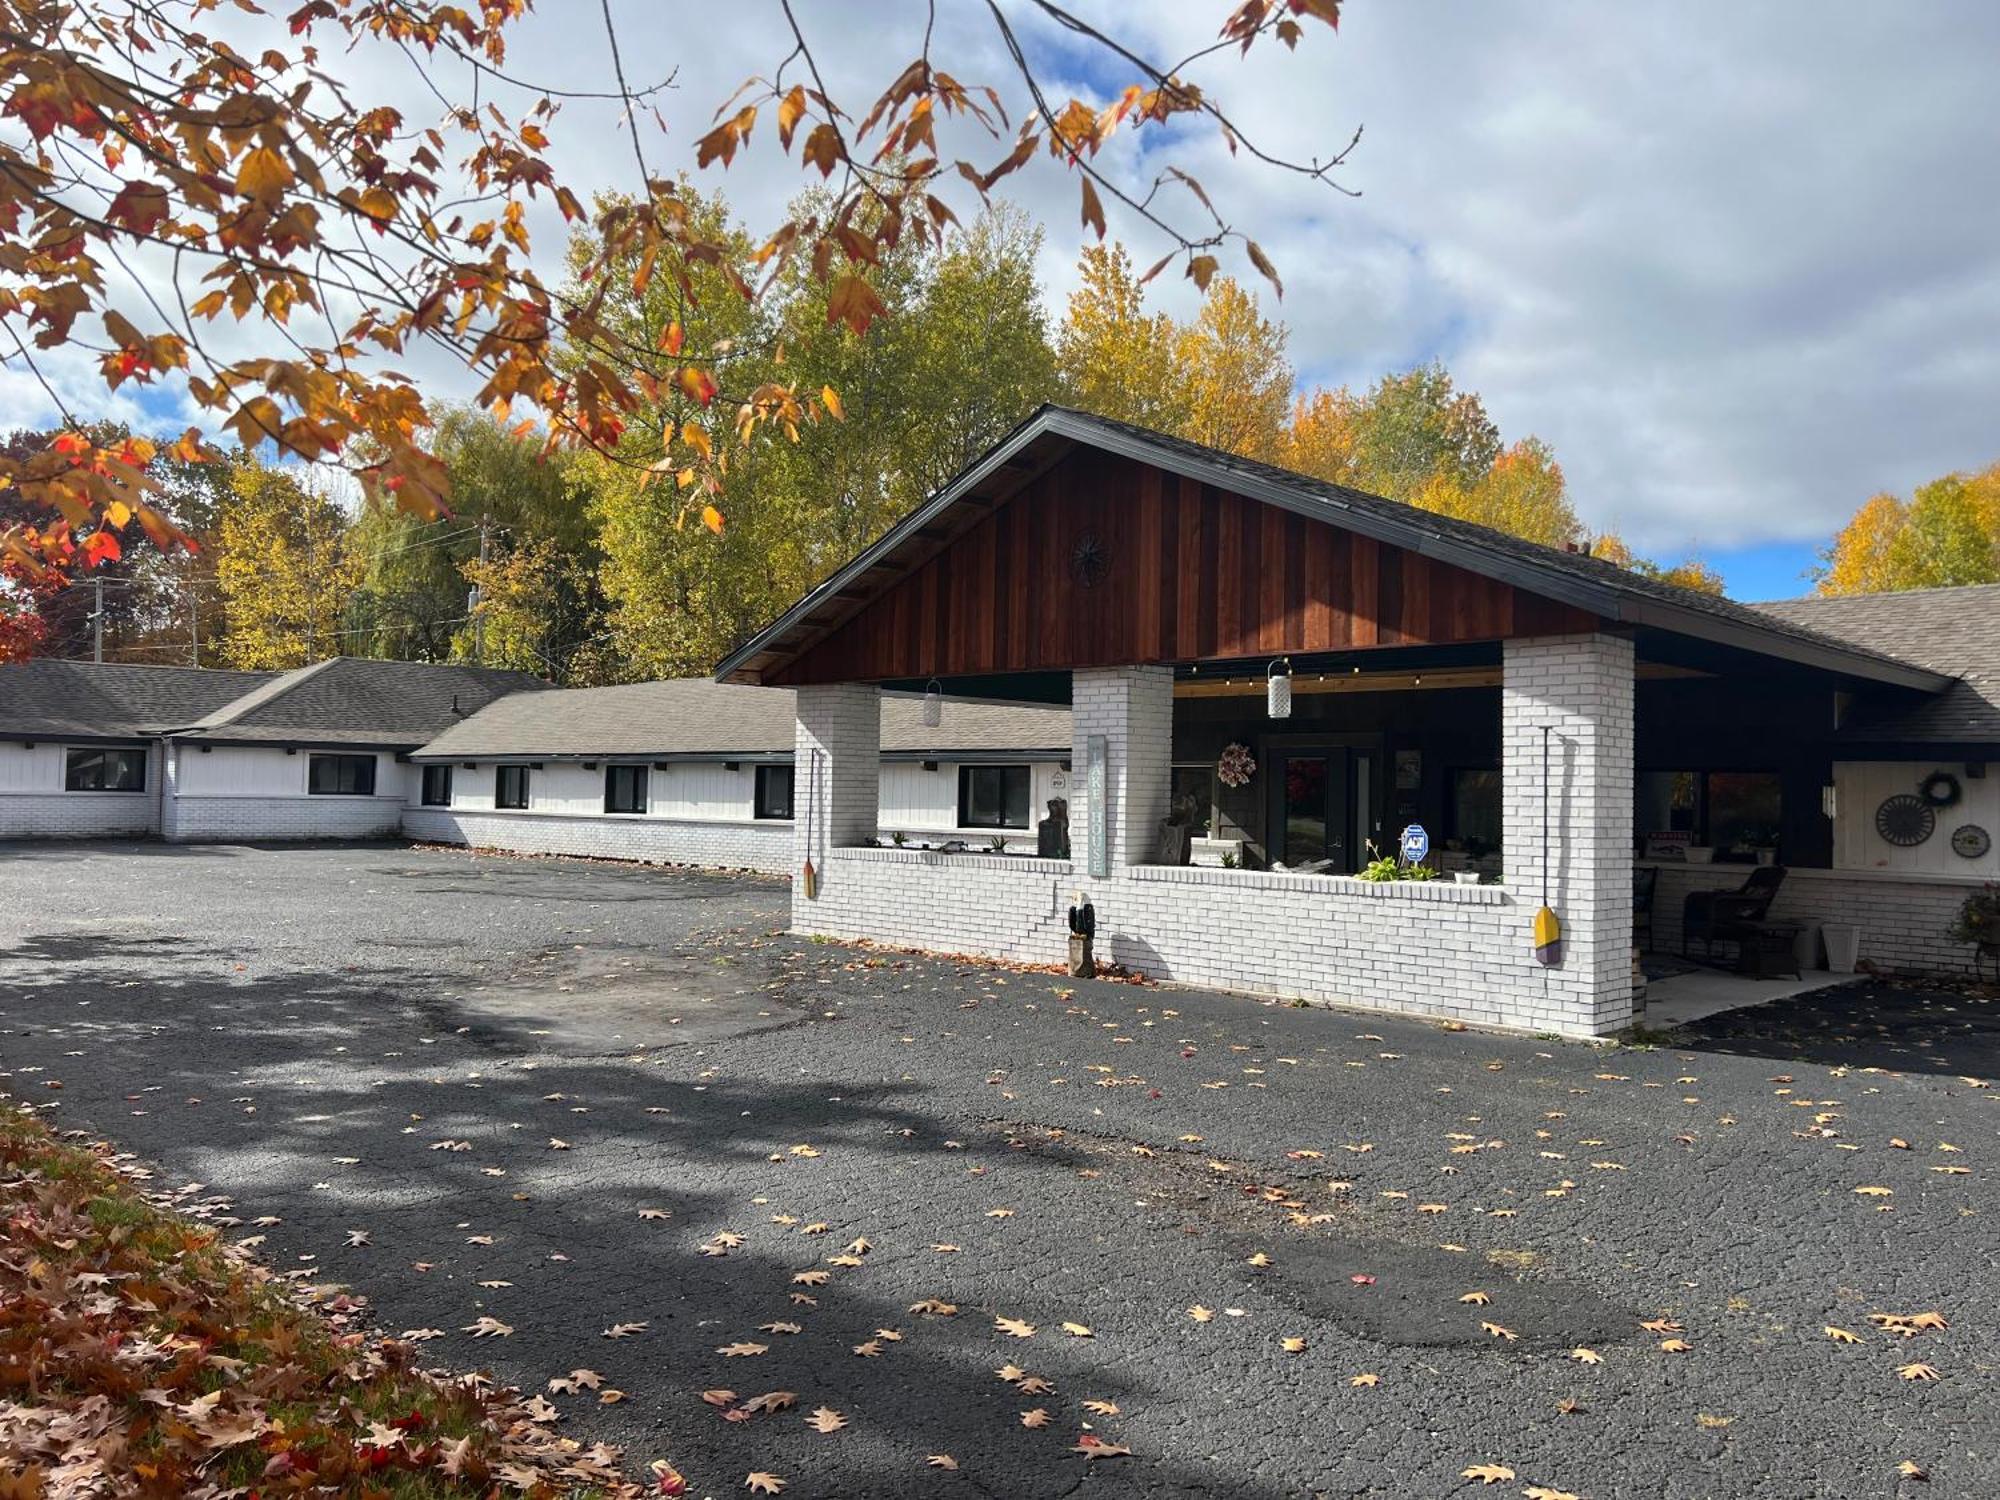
[(1843, 946)]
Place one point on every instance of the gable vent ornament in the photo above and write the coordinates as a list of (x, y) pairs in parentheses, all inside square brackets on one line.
[(933, 713), (1278, 689)]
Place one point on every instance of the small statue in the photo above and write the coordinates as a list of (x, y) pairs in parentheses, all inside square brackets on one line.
[(1082, 938), (1052, 833)]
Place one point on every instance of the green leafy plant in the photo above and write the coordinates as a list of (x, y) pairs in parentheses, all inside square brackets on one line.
[(1978, 920), (1383, 869), (899, 838), (997, 843), (1228, 859)]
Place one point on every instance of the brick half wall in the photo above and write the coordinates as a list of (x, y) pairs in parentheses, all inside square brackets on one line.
[(766, 847)]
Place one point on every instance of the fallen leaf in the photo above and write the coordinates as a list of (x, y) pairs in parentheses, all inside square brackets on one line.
[(1911, 1469), (1487, 1473), (487, 1328), (941, 1461), (1841, 1335), (1292, 1345), (1201, 1314), (1077, 1330), (763, 1484), (825, 1419), (1586, 1356), (1038, 1417), (1477, 1299), (1368, 1377), (742, 1350), (623, 1330), (1094, 1448), (719, 1397), (1918, 1372), (1015, 1327), (1506, 1335), (1675, 1346), (1101, 1408)]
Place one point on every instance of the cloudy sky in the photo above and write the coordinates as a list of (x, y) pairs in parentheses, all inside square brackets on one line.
[(1738, 263)]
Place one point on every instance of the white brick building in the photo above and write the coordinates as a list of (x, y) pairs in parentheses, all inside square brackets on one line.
[(1540, 716)]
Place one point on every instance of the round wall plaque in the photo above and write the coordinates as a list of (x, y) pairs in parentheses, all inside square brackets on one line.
[(1970, 841), (1905, 820)]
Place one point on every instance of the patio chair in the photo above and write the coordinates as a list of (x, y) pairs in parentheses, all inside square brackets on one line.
[(1721, 916), (1644, 882)]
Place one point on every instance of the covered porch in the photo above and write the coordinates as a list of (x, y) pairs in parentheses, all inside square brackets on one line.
[(1442, 676)]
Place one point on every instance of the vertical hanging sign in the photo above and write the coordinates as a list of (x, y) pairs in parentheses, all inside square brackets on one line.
[(1097, 809)]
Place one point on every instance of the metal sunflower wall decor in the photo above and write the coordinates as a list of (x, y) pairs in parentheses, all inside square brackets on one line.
[(1905, 820), (1089, 560)]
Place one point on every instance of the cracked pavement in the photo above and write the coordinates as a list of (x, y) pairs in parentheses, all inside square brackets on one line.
[(394, 1041)]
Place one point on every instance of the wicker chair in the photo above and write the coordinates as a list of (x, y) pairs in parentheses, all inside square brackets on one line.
[(1720, 916)]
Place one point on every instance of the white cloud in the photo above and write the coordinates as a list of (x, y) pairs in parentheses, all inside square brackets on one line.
[(1739, 265)]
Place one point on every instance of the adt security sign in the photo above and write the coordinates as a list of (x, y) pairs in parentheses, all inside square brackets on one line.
[(1416, 844)]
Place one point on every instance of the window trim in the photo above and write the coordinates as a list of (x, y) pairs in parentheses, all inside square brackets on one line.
[(967, 770), (424, 797), (760, 782), (644, 786), (500, 771), (332, 757), (103, 752)]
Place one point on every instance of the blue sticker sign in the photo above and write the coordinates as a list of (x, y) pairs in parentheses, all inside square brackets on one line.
[(1416, 844)]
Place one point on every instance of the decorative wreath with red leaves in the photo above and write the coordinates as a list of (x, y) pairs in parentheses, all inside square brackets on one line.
[(1236, 767)]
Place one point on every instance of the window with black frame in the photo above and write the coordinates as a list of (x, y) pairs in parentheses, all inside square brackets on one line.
[(1475, 810), (1735, 813), (510, 787), (625, 788), (341, 776), (437, 786), (774, 792), (992, 796), (117, 769)]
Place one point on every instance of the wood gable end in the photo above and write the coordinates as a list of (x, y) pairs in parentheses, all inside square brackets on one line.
[(1101, 560)]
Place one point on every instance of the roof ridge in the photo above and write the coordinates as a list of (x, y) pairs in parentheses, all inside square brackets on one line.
[(1929, 588), (258, 696)]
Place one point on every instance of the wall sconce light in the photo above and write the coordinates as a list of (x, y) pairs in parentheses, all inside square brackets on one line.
[(1278, 689), (1829, 801), (930, 765), (933, 704)]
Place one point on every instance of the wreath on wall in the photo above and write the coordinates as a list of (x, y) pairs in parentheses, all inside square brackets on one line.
[(1236, 766), (1940, 789)]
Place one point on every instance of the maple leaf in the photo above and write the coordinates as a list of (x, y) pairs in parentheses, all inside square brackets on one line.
[(825, 1419), (1101, 1408), (1015, 1327), (1660, 1325), (1037, 1417), (1487, 1473), (770, 1401), (812, 1278), (1292, 1345), (1201, 1314), (1918, 1371), (1034, 1385), (760, 1483), (932, 1307), (1586, 1356), (872, 1349)]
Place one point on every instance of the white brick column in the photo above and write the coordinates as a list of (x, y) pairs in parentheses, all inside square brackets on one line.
[(836, 775), (1580, 688), (1133, 709)]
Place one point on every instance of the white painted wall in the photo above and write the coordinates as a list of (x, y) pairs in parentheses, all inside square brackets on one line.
[(31, 768), (1861, 786), (250, 792), (34, 804)]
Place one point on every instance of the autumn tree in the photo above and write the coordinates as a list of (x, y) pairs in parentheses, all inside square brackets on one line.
[(168, 170), (1946, 534), (1117, 359), (286, 567)]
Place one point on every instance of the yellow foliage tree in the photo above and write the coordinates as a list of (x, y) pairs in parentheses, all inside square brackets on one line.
[(1116, 359), (285, 570), (1233, 369), (1946, 534)]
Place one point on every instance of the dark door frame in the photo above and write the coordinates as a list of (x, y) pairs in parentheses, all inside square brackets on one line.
[(1355, 825)]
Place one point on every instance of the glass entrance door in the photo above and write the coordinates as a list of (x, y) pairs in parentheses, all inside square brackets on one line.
[(1322, 807)]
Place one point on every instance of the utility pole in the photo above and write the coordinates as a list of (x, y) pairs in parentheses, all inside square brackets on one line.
[(97, 620), (472, 605), (194, 623)]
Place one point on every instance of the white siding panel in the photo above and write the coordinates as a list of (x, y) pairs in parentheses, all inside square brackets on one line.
[(242, 771), (1861, 786), (698, 790)]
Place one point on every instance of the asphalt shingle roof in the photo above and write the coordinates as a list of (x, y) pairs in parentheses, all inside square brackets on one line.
[(112, 700), (1956, 631), (360, 701), (697, 716)]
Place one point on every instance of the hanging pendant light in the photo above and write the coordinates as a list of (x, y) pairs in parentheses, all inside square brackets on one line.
[(1278, 689), (933, 704)]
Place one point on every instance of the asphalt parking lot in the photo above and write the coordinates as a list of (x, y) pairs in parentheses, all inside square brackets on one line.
[(1006, 1226)]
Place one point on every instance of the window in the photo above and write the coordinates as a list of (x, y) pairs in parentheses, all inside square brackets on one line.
[(625, 788), (1194, 796), (341, 776), (1475, 810), (993, 796), (105, 771), (774, 791), (1734, 812), (510, 786), (437, 786)]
